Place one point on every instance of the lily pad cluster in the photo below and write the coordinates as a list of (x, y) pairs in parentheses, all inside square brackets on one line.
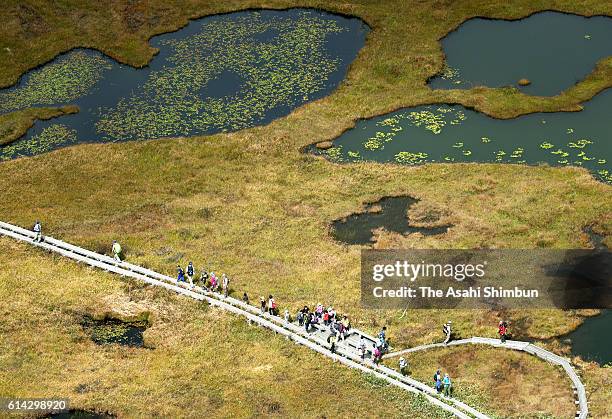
[(451, 74), (444, 133), (61, 81), (432, 119), (47, 140), (407, 157), (283, 71), (220, 73)]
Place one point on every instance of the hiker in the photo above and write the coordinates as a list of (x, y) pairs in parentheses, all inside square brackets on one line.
[(325, 318), (214, 283), (502, 330), (437, 378), (362, 348), (190, 272), (447, 330), (319, 310), (308, 321), (204, 279), (300, 317), (332, 327), (382, 335), (403, 366), (225, 284), (37, 232), (332, 313), (271, 305), (346, 323), (332, 339), (377, 355), (181, 274), (245, 298), (262, 305), (341, 331), (448, 387), (116, 250), (287, 317)]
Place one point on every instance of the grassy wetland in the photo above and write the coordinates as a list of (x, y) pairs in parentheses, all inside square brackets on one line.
[(251, 204)]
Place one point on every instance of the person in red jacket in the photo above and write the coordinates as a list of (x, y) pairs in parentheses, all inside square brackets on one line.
[(502, 330)]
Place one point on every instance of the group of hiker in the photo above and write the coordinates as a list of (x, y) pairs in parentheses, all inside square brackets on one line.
[(266, 305), (208, 281), (381, 346), (323, 316), (443, 383), (38, 238), (338, 326)]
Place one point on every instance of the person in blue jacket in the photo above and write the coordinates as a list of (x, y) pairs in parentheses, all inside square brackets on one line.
[(437, 379), (448, 386), (190, 273)]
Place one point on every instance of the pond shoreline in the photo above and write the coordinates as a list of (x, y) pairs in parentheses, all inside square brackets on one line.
[(203, 81)]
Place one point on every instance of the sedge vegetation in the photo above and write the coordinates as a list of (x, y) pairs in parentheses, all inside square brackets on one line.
[(252, 205)]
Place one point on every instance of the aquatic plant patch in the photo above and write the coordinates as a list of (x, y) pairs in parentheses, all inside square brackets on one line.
[(220, 73), (47, 139), (445, 133), (64, 80)]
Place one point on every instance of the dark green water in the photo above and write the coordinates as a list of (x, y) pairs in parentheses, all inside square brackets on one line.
[(593, 339), (219, 73), (553, 50), (111, 331), (357, 228), (446, 133)]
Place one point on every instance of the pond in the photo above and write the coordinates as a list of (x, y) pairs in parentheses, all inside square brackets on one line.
[(552, 50), (113, 331), (452, 133), (592, 340), (220, 73), (389, 213)]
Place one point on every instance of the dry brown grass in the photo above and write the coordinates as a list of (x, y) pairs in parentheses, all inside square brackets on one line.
[(248, 203), (499, 380), (204, 362)]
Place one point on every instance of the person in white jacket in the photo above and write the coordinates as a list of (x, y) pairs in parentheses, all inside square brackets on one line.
[(225, 284), (116, 249), (38, 232)]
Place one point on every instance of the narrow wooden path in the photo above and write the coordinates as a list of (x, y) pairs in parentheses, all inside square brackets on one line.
[(346, 352), (517, 345)]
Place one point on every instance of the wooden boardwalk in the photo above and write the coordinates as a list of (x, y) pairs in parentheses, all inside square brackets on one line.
[(346, 351), (517, 345)]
